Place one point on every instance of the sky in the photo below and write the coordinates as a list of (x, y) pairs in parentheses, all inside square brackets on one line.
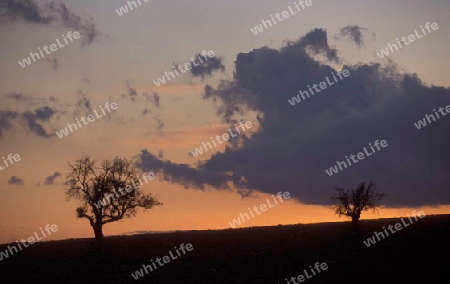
[(251, 77)]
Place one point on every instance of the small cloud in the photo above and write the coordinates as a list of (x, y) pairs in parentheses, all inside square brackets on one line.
[(13, 180), (354, 33), (50, 179), (207, 67), (42, 114)]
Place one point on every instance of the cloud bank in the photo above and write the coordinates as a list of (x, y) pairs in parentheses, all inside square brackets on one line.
[(55, 14), (296, 144)]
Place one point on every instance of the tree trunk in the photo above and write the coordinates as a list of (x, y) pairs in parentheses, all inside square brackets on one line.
[(98, 230), (356, 226), (355, 218)]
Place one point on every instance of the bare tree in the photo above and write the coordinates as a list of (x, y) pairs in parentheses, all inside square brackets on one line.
[(91, 184), (352, 202)]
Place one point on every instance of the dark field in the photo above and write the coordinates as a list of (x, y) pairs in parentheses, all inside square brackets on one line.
[(418, 253)]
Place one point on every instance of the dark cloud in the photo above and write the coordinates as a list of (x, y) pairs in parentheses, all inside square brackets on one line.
[(207, 67), (34, 126), (44, 113), (50, 179), (25, 10), (181, 174), (5, 120), (353, 33), (54, 13), (316, 41), (32, 120), (190, 177), (234, 98), (296, 144), (13, 180), (70, 20)]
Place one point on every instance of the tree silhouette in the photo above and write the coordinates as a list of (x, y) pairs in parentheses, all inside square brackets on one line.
[(352, 202), (91, 184)]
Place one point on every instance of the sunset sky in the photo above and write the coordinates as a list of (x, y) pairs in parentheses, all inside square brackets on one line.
[(288, 148)]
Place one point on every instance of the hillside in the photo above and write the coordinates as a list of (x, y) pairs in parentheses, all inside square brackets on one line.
[(416, 254)]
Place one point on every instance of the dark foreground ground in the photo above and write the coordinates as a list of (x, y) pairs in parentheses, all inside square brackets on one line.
[(418, 253)]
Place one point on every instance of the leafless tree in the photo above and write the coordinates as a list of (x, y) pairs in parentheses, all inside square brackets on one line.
[(91, 184), (352, 202)]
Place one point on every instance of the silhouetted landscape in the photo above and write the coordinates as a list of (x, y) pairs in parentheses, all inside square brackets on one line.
[(272, 142), (416, 254)]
